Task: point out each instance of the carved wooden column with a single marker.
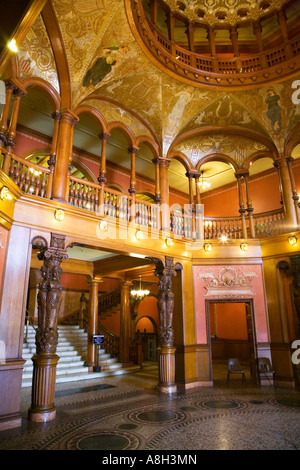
(153, 12)
(165, 304)
(294, 190)
(157, 180)
(10, 86)
(11, 134)
(285, 36)
(92, 323)
(211, 36)
(64, 146)
(45, 360)
(83, 311)
(199, 214)
(52, 159)
(258, 34)
(235, 44)
(242, 209)
(102, 171)
(287, 193)
(132, 189)
(164, 188)
(192, 211)
(125, 323)
(249, 206)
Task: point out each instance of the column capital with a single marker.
(133, 150)
(66, 115)
(164, 162)
(105, 136)
(56, 115)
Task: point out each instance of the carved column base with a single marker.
(43, 388)
(167, 369)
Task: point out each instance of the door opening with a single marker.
(231, 335)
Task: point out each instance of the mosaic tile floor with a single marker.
(127, 413)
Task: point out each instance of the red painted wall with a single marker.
(228, 320)
(207, 286)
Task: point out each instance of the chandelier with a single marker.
(204, 184)
(140, 293)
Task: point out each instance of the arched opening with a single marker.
(220, 198)
(146, 325)
(231, 335)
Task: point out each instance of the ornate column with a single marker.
(164, 188)
(52, 159)
(45, 360)
(83, 311)
(284, 31)
(165, 303)
(249, 206)
(11, 134)
(192, 211)
(242, 209)
(257, 32)
(132, 189)
(157, 180)
(153, 12)
(199, 214)
(235, 44)
(212, 43)
(295, 194)
(125, 323)
(64, 146)
(293, 268)
(10, 87)
(92, 323)
(286, 193)
(102, 171)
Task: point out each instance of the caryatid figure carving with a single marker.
(165, 299)
(49, 295)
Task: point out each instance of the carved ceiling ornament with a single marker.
(229, 282)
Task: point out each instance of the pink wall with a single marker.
(229, 282)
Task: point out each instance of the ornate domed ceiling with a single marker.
(224, 11)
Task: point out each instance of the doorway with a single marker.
(231, 329)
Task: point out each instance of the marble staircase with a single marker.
(72, 350)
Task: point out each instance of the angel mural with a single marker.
(111, 57)
(274, 110)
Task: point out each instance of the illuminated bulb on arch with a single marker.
(223, 238)
(12, 45)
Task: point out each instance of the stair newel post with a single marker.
(165, 304)
(45, 360)
(125, 323)
(91, 361)
(83, 311)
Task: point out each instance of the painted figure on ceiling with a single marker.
(104, 65)
(274, 110)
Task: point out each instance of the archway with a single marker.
(231, 331)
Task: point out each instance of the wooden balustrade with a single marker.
(109, 300)
(34, 179)
(268, 224)
(111, 341)
(222, 72)
(215, 228)
(29, 177)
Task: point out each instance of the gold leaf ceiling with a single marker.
(97, 36)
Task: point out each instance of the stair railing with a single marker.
(108, 300)
(111, 341)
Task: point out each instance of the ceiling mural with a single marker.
(35, 57)
(111, 112)
(237, 147)
(224, 11)
(105, 61)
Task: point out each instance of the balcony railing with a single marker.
(203, 69)
(35, 180)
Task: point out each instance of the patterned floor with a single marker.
(127, 413)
